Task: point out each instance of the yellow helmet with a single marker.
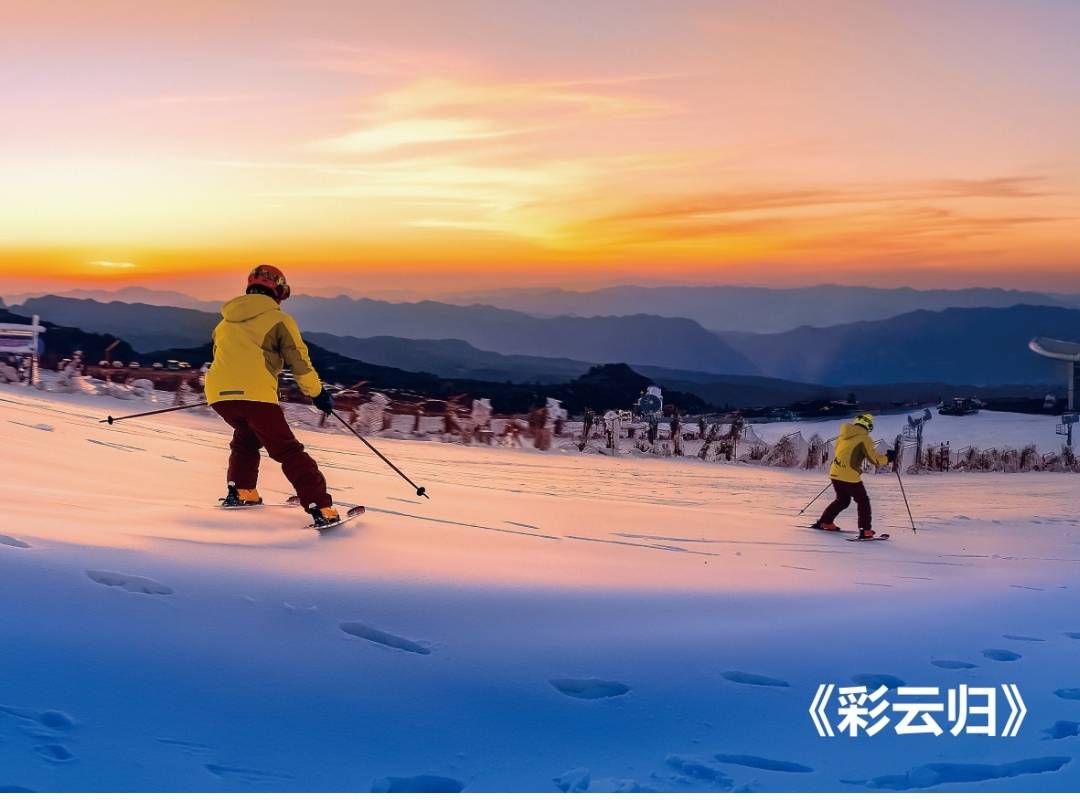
(866, 420)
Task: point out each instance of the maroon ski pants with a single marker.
(845, 493)
(258, 425)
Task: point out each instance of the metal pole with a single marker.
(420, 490)
(111, 420)
(819, 494)
(908, 507)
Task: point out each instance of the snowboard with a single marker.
(881, 537)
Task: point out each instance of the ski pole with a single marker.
(901, 482)
(420, 490)
(112, 419)
(899, 447)
(819, 494)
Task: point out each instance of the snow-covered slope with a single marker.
(543, 621)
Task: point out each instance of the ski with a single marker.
(822, 530)
(292, 502)
(353, 513)
(881, 537)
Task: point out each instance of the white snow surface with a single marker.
(545, 622)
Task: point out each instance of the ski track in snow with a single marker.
(757, 762)
(393, 641)
(751, 679)
(710, 582)
(954, 664)
(995, 654)
(1062, 729)
(247, 774)
(929, 776)
(129, 583)
(876, 679)
(589, 688)
(435, 784)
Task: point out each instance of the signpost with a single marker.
(1065, 427)
(23, 340)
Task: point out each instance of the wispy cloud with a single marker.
(113, 264)
(703, 215)
(439, 111)
(392, 135)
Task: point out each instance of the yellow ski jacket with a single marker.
(853, 447)
(253, 342)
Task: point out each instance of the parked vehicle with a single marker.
(134, 365)
(118, 364)
(157, 365)
(960, 406)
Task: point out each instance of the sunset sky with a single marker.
(432, 146)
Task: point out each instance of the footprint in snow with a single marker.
(415, 784)
(1073, 634)
(1016, 637)
(129, 583)
(949, 663)
(751, 679)
(699, 769)
(56, 720)
(589, 688)
(1062, 729)
(573, 781)
(362, 631)
(757, 762)
(11, 541)
(1068, 694)
(55, 753)
(48, 723)
(1001, 655)
(876, 679)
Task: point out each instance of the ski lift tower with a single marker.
(1069, 354)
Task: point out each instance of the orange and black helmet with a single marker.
(271, 278)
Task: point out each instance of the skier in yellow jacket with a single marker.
(253, 342)
(853, 447)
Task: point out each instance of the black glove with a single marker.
(324, 401)
(891, 455)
